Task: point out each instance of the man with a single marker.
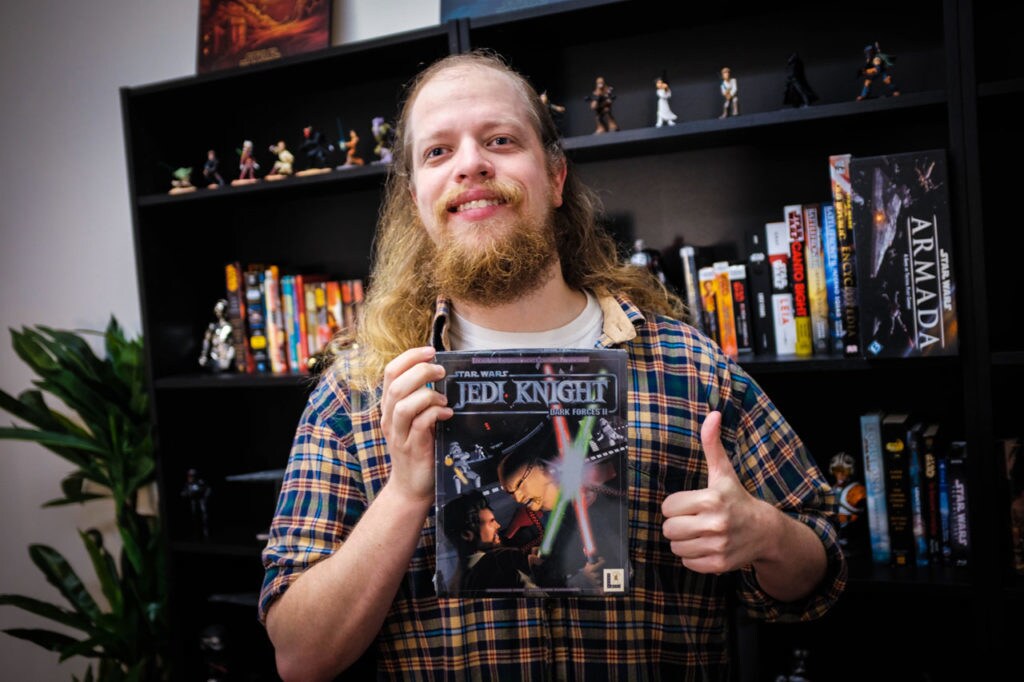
(483, 218)
(472, 529)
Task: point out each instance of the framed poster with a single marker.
(234, 33)
(459, 9)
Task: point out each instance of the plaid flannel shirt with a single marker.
(674, 622)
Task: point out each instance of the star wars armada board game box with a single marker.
(904, 254)
(531, 474)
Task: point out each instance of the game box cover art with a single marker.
(904, 252)
(236, 33)
(530, 474)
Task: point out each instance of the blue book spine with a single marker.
(833, 278)
(874, 483)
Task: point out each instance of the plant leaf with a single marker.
(46, 610)
(61, 575)
(49, 438)
(51, 641)
(106, 569)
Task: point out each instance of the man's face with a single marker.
(489, 528)
(534, 487)
(478, 169)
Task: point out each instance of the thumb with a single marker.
(719, 465)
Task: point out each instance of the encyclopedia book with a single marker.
(531, 474)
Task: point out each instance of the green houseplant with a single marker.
(110, 445)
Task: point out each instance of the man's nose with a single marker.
(472, 162)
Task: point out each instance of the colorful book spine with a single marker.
(724, 307)
(930, 454)
(741, 307)
(236, 313)
(295, 366)
(783, 318)
(874, 484)
(959, 525)
(277, 339)
(709, 307)
(898, 505)
(256, 317)
(918, 501)
(793, 215)
(833, 277)
(817, 290)
(839, 175)
(688, 258)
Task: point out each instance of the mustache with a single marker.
(507, 192)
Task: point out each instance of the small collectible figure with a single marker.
(352, 157)
(601, 104)
(382, 133)
(730, 94)
(283, 167)
(798, 91)
(852, 504)
(876, 70)
(197, 492)
(557, 111)
(213, 645)
(211, 171)
(218, 351)
(247, 165)
(181, 181)
(664, 94)
(316, 149)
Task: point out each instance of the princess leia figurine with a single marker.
(664, 93)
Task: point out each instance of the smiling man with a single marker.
(487, 239)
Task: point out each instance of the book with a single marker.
(945, 508)
(256, 317)
(726, 312)
(295, 363)
(917, 495)
(539, 443)
(759, 276)
(741, 307)
(898, 505)
(933, 522)
(236, 314)
(691, 291)
(839, 180)
(874, 485)
(959, 525)
(277, 339)
(817, 293)
(904, 245)
(708, 302)
(833, 277)
(783, 315)
(793, 215)
(1010, 455)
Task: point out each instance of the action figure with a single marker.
(211, 171)
(852, 503)
(218, 352)
(247, 165)
(212, 644)
(351, 147)
(316, 149)
(557, 111)
(382, 132)
(181, 181)
(601, 104)
(458, 459)
(197, 492)
(730, 94)
(665, 115)
(876, 69)
(283, 167)
(798, 91)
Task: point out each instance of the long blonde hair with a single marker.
(401, 293)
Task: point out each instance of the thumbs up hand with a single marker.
(722, 527)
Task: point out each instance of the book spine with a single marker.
(933, 510)
(917, 494)
(277, 341)
(301, 342)
(794, 219)
(833, 278)
(236, 313)
(899, 513)
(726, 314)
(335, 307)
(709, 308)
(959, 528)
(942, 462)
(256, 317)
(291, 332)
(874, 484)
(741, 307)
(839, 173)
(817, 290)
(688, 257)
(1010, 453)
(783, 319)
(760, 279)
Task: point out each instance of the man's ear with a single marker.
(558, 182)
(468, 535)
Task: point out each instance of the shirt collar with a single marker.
(621, 318)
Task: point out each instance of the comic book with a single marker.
(904, 253)
(531, 474)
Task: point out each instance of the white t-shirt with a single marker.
(582, 332)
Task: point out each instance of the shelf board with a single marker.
(214, 547)
(1008, 359)
(880, 579)
(1010, 86)
(234, 380)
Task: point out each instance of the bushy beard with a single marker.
(500, 262)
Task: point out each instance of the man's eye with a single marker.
(502, 140)
(436, 151)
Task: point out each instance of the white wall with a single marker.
(66, 253)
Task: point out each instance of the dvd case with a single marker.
(530, 474)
